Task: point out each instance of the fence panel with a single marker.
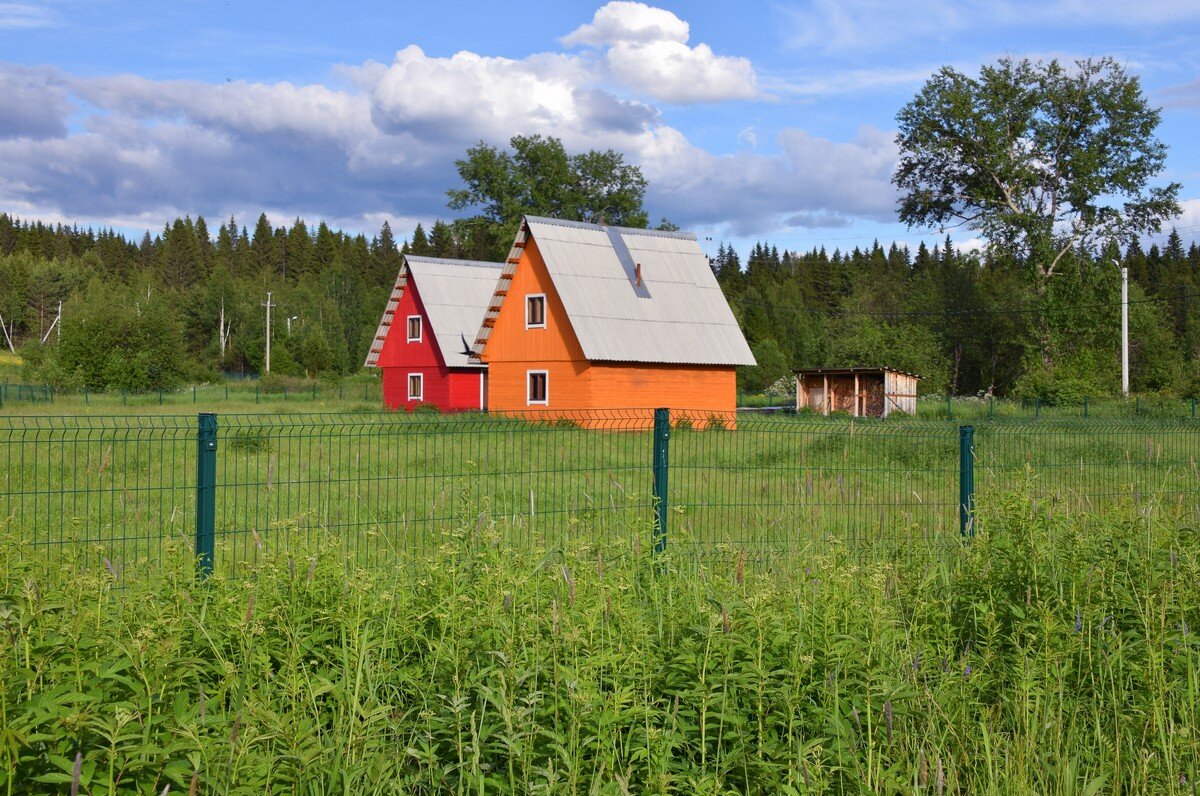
(1088, 465)
(779, 481)
(112, 488)
(386, 484)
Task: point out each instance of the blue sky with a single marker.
(752, 121)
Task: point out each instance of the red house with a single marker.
(421, 344)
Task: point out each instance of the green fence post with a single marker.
(124, 397)
(1137, 407)
(255, 393)
(160, 396)
(365, 392)
(226, 392)
(314, 391)
(966, 480)
(1037, 407)
(949, 408)
(206, 491)
(193, 393)
(662, 434)
(1085, 406)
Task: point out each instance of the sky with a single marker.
(751, 121)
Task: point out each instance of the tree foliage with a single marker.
(1039, 158)
(539, 177)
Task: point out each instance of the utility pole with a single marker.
(1124, 328)
(7, 336)
(268, 305)
(54, 326)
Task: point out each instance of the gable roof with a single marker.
(678, 315)
(454, 294)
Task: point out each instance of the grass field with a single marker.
(1051, 656)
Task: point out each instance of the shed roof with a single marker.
(854, 369)
(678, 315)
(454, 293)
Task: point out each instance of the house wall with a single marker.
(449, 390)
(575, 384)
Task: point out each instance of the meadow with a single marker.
(1049, 655)
(434, 604)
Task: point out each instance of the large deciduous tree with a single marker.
(539, 177)
(1039, 158)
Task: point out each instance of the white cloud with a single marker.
(622, 21)
(647, 51)
(23, 15)
(845, 26)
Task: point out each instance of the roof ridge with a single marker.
(421, 258)
(657, 233)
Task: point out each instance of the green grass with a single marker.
(357, 394)
(1056, 654)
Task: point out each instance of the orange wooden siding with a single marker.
(512, 350)
(575, 384)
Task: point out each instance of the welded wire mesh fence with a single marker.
(381, 485)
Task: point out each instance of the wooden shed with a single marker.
(859, 391)
(589, 318)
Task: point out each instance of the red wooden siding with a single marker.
(448, 389)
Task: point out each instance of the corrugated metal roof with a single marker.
(855, 369)
(455, 295)
(681, 316)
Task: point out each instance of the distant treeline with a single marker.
(186, 304)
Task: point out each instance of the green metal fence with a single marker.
(302, 394)
(237, 487)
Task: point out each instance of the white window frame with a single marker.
(528, 297)
(421, 381)
(528, 392)
(420, 328)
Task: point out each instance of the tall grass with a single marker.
(1049, 656)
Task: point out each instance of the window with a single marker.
(535, 311)
(414, 328)
(538, 387)
(416, 387)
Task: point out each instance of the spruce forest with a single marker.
(186, 306)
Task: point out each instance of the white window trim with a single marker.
(541, 325)
(528, 399)
(420, 328)
(408, 387)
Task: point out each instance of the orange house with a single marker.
(587, 318)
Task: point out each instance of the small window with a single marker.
(539, 387)
(535, 311)
(416, 387)
(414, 328)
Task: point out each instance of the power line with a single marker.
(1010, 310)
